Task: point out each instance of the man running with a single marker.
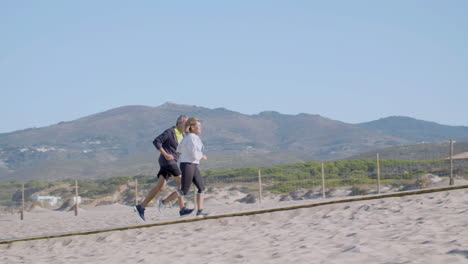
(166, 144)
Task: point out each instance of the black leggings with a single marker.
(190, 173)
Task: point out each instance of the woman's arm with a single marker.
(195, 148)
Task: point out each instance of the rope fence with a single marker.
(363, 198)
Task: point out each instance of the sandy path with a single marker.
(428, 228)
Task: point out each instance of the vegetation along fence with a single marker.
(300, 181)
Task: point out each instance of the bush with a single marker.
(62, 192)
(359, 190)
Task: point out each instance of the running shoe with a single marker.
(141, 211)
(185, 211)
(200, 213)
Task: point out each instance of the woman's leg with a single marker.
(200, 183)
(186, 181)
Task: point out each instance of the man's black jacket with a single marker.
(168, 141)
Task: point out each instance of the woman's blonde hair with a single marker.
(192, 121)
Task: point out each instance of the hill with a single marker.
(425, 151)
(417, 131)
(119, 142)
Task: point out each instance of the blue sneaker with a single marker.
(141, 211)
(185, 211)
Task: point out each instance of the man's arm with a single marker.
(157, 142)
(166, 155)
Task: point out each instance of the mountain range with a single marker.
(119, 141)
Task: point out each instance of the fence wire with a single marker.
(302, 181)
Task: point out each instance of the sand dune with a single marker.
(428, 228)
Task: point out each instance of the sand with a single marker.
(426, 228)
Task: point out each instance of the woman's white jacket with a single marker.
(191, 149)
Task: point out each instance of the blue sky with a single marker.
(352, 61)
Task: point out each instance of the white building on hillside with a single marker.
(46, 200)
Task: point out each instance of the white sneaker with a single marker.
(161, 207)
(202, 214)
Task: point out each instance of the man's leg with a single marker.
(162, 174)
(160, 186)
(178, 179)
(186, 181)
(172, 197)
(177, 194)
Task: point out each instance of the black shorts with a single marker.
(169, 170)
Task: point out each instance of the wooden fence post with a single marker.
(22, 201)
(260, 186)
(323, 182)
(136, 192)
(378, 173)
(451, 163)
(76, 198)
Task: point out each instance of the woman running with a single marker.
(191, 149)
